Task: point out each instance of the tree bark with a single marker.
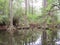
(44, 33)
(32, 7)
(44, 37)
(29, 6)
(25, 7)
(11, 23)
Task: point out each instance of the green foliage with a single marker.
(4, 19)
(19, 12)
(32, 17)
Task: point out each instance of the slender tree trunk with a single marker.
(32, 7)
(25, 16)
(44, 33)
(44, 3)
(29, 6)
(11, 23)
(25, 7)
(44, 37)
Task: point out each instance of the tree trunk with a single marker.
(25, 7)
(44, 37)
(44, 3)
(11, 23)
(44, 33)
(32, 7)
(29, 6)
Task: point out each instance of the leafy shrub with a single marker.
(4, 19)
